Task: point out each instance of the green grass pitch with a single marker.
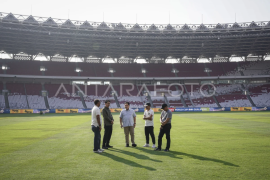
(217, 145)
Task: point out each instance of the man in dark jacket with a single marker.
(108, 123)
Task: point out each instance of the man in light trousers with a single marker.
(128, 121)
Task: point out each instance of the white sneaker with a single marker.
(98, 151)
(101, 150)
(146, 145)
(154, 146)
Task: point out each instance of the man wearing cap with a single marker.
(128, 121)
(165, 128)
(149, 125)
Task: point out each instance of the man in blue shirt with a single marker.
(165, 128)
(128, 121)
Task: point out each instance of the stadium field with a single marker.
(217, 145)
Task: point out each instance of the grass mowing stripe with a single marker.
(8, 119)
(248, 116)
(241, 122)
(18, 135)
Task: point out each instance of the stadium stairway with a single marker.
(81, 94)
(244, 88)
(4, 96)
(46, 102)
(214, 97)
(115, 95)
(166, 100)
(147, 95)
(45, 97)
(181, 96)
(6, 100)
(26, 96)
(188, 95)
(248, 96)
(116, 100)
(82, 99)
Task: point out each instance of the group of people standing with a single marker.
(128, 122)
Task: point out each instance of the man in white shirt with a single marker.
(149, 125)
(96, 126)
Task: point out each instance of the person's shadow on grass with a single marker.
(126, 161)
(133, 154)
(174, 154)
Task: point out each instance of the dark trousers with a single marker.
(165, 130)
(149, 130)
(97, 138)
(107, 135)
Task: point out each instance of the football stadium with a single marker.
(213, 78)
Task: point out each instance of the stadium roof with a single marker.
(32, 35)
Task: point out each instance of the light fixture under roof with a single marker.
(78, 69)
(5, 67)
(111, 70)
(174, 70)
(207, 70)
(42, 68)
(144, 71)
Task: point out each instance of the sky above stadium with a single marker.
(146, 11)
